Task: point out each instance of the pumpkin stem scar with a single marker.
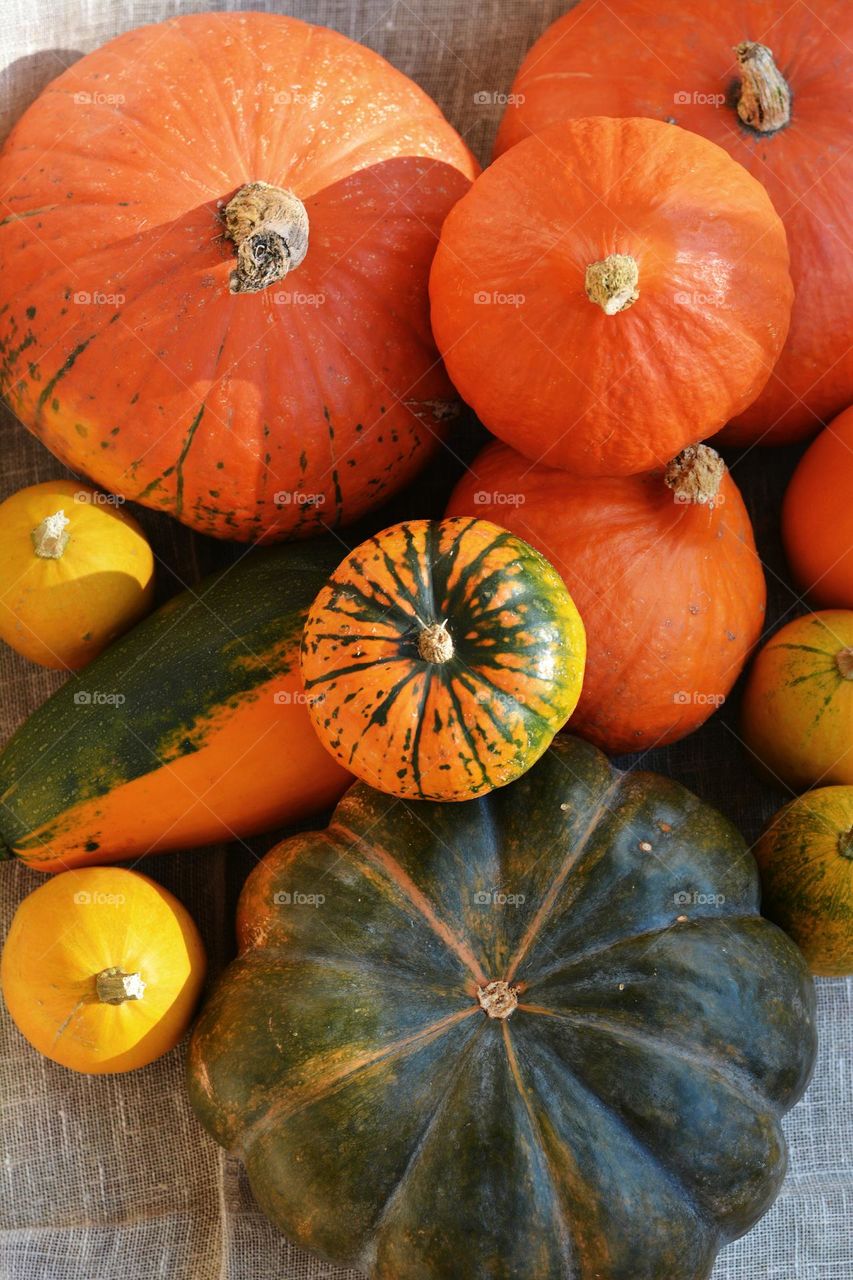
(498, 999)
(695, 475)
(114, 986)
(764, 101)
(269, 226)
(845, 844)
(435, 643)
(612, 282)
(49, 537)
(844, 662)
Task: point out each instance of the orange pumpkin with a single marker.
(101, 969)
(781, 108)
(798, 702)
(665, 575)
(214, 285)
(806, 861)
(609, 292)
(75, 572)
(441, 659)
(817, 517)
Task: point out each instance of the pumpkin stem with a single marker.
(49, 537)
(844, 662)
(114, 986)
(269, 226)
(612, 282)
(435, 643)
(696, 474)
(845, 844)
(498, 999)
(764, 102)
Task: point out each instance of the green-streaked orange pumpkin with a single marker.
(542, 1035)
(770, 82)
(441, 659)
(806, 861)
(216, 235)
(797, 712)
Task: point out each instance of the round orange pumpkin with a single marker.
(101, 969)
(214, 287)
(441, 659)
(663, 570)
(75, 572)
(772, 84)
(817, 517)
(609, 292)
(806, 861)
(798, 702)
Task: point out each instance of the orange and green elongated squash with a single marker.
(771, 83)
(441, 658)
(806, 861)
(216, 235)
(542, 1034)
(189, 729)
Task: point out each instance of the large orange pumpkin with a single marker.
(773, 84)
(216, 234)
(609, 292)
(817, 517)
(663, 570)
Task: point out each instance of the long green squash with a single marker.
(189, 729)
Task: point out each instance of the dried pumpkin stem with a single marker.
(114, 986)
(696, 474)
(49, 537)
(845, 844)
(498, 999)
(435, 643)
(612, 282)
(764, 101)
(844, 662)
(269, 226)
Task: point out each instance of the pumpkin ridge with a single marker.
(395, 874)
(447, 679)
(322, 1087)
(573, 855)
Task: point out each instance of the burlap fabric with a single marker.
(111, 1178)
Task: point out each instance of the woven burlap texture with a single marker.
(111, 1178)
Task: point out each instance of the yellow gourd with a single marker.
(75, 572)
(101, 969)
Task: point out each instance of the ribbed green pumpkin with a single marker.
(540, 1034)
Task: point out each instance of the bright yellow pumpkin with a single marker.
(75, 572)
(101, 969)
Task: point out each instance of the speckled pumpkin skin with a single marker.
(621, 1124)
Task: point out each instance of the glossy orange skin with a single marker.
(121, 346)
(545, 368)
(457, 728)
(672, 595)
(817, 517)
(676, 62)
(797, 712)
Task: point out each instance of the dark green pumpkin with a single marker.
(621, 1122)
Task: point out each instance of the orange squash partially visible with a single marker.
(770, 82)
(214, 289)
(817, 517)
(609, 292)
(75, 572)
(101, 969)
(806, 861)
(797, 711)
